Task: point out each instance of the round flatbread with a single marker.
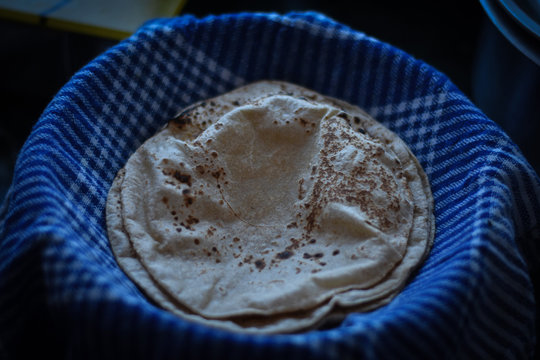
(269, 208)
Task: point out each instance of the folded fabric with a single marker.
(63, 294)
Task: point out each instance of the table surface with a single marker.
(105, 18)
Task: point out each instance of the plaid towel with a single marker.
(62, 293)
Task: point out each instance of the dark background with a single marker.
(36, 61)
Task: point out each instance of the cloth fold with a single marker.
(62, 293)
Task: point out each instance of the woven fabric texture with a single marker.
(63, 294)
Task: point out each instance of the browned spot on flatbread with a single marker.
(183, 178)
(188, 200)
(200, 169)
(284, 255)
(182, 120)
(260, 264)
(292, 225)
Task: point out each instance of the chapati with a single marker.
(269, 209)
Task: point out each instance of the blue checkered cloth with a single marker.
(63, 294)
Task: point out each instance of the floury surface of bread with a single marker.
(270, 209)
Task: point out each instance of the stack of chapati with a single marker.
(269, 209)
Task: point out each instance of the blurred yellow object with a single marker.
(116, 19)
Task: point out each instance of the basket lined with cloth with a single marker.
(62, 291)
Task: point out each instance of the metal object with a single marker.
(519, 22)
